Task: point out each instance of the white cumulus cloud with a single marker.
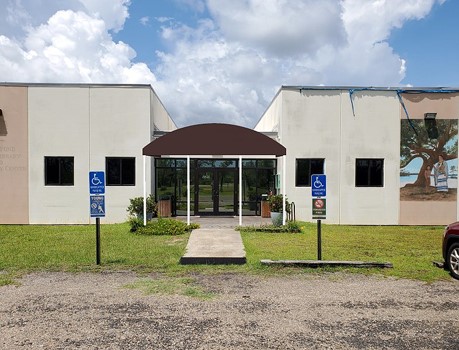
(71, 46)
(228, 67)
(223, 66)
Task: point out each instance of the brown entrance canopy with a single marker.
(214, 139)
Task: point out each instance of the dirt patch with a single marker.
(416, 193)
(335, 311)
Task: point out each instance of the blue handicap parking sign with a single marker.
(97, 206)
(96, 182)
(319, 185)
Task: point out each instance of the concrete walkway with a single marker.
(214, 246)
(216, 242)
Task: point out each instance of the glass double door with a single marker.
(216, 192)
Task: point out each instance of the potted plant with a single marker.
(275, 206)
(135, 207)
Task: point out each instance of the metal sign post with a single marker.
(319, 206)
(97, 203)
(98, 241)
(319, 240)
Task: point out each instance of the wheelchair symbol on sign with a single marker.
(96, 181)
(317, 183)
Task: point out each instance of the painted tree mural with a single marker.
(420, 145)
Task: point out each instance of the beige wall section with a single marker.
(374, 132)
(14, 203)
(120, 127)
(59, 126)
(427, 213)
(445, 105)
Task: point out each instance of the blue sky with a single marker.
(223, 61)
(431, 47)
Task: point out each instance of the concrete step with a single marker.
(214, 246)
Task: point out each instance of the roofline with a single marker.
(352, 89)
(92, 86)
(76, 85)
(269, 106)
(370, 88)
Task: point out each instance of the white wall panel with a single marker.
(120, 127)
(58, 126)
(373, 132)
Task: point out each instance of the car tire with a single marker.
(452, 260)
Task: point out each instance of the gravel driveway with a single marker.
(334, 311)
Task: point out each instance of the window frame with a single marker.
(120, 166)
(308, 178)
(369, 172)
(61, 169)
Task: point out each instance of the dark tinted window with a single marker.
(59, 171)
(369, 172)
(120, 171)
(307, 167)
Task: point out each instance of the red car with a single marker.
(451, 249)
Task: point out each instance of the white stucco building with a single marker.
(350, 131)
(379, 148)
(56, 134)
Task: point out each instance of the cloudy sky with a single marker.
(224, 60)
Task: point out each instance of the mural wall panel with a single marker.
(14, 203)
(428, 160)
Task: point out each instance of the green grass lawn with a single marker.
(72, 248)
(411, 249)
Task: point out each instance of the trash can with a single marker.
(165, 206)
(265, 212)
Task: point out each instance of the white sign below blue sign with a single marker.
(96, 182)
(97, 205)
(319, 185)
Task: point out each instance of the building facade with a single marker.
(55, 134)
(377, 147)
(390, 155)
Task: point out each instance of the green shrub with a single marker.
(164, 226)
(293, 226)
(135, 223)
(135, 207)
(290, 227)
(192, 226)
(275, 203)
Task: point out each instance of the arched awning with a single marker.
(214, 139)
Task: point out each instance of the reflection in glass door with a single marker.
(216, 192)
(205, 195)
(226, 191)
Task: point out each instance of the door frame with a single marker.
(216, 175)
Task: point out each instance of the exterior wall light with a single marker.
(431, 125)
